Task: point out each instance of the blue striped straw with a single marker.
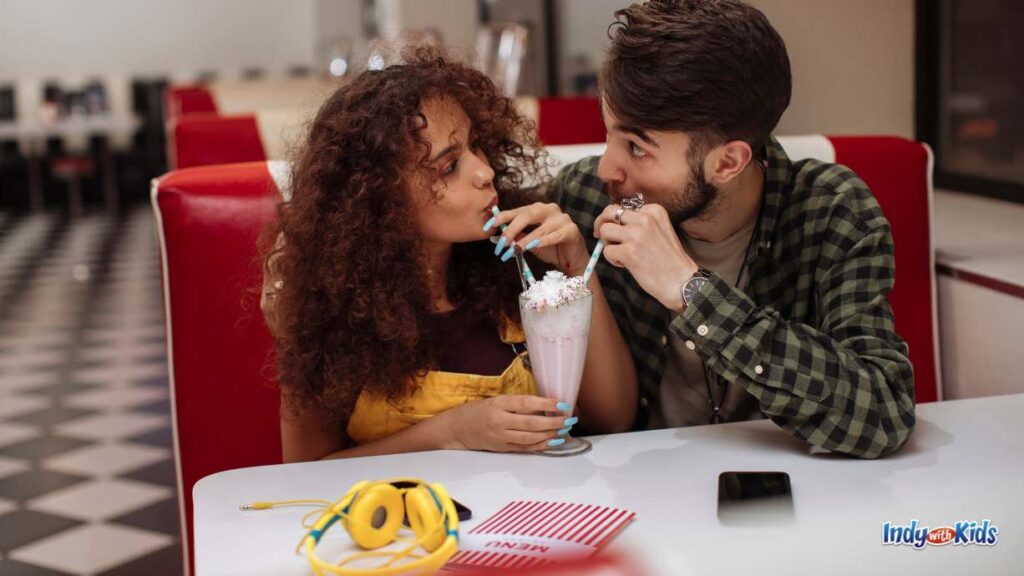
(524, 267)
(593, 261)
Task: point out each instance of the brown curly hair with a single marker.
(354, 312)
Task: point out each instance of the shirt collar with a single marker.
(776, 186)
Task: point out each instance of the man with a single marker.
(748, 285)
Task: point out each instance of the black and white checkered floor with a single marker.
(87, 483)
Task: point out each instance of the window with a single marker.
(970, 92)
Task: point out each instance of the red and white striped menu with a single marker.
(527, 534)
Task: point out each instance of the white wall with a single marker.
(72, 40)
(58, 38)
(339, 18)
(852, 60)
(455, 19)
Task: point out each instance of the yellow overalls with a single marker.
(375, 416)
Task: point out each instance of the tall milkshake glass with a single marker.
(556, 337)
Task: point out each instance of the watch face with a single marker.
(692, 287)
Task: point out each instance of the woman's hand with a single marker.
(544, 230)
(506, 424)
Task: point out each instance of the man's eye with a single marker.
(636, 151)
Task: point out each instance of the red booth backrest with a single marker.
(898, 171)
(225, 404)
(569, 121)
(181, 100)
(203, 137)
(210, 139)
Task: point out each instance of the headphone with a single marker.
(373, 513)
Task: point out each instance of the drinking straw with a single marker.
(634, 204)
(593, 261)
(524, 267)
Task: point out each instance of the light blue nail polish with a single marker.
(508, 254)
(489, 224)
(556, 442)
(562, 406)
(500, 247)
(570, 421)
(533, 244)
(563, 431)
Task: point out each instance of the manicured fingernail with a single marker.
(508, 253)
(489, 224)
(500, 247)
(556, 442)
(562, 406)
(570, 421)
(533, 244)
(495, 210)
(564, 431)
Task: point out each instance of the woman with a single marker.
(396, 325)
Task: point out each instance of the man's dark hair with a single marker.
(713, 68)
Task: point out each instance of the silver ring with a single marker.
(618, 215)
(635, 203)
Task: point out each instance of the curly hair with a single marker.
(354, 312)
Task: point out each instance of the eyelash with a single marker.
(451, 168)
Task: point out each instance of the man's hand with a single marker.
(645, 243)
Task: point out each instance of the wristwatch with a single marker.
(692, 286)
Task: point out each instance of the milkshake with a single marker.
(556, 315)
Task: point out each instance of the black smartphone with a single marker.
(754, 498)
(464, 512)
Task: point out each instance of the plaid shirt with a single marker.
(811, 337)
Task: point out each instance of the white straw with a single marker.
(593, 261)
(527, 273)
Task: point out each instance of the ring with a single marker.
(635, 203)
(618, 215)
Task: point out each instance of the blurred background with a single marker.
(99, 98)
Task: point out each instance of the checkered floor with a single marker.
(87, 481)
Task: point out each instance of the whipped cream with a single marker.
(555, 290)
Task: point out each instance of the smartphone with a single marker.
(464, 512)
(754, 498)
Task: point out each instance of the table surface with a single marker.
(85, 125)
(963, 462)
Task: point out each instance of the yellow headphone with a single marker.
(373, 512)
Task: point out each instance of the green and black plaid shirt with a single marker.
(812, 335)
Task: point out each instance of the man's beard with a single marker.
(695, 201)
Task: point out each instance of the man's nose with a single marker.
(609, 171)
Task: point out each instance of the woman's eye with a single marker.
(636, 151)
(450, 169)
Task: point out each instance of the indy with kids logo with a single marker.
(963, 533)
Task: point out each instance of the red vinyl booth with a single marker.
(225, 405)
(200, 136)
(209, 139)
(182, 100)
(225, 408)
(569, 121)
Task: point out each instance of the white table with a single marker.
(34, 133)
(75, 126)
(965, 461)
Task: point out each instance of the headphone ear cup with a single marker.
(425, 517)
(375, 516)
